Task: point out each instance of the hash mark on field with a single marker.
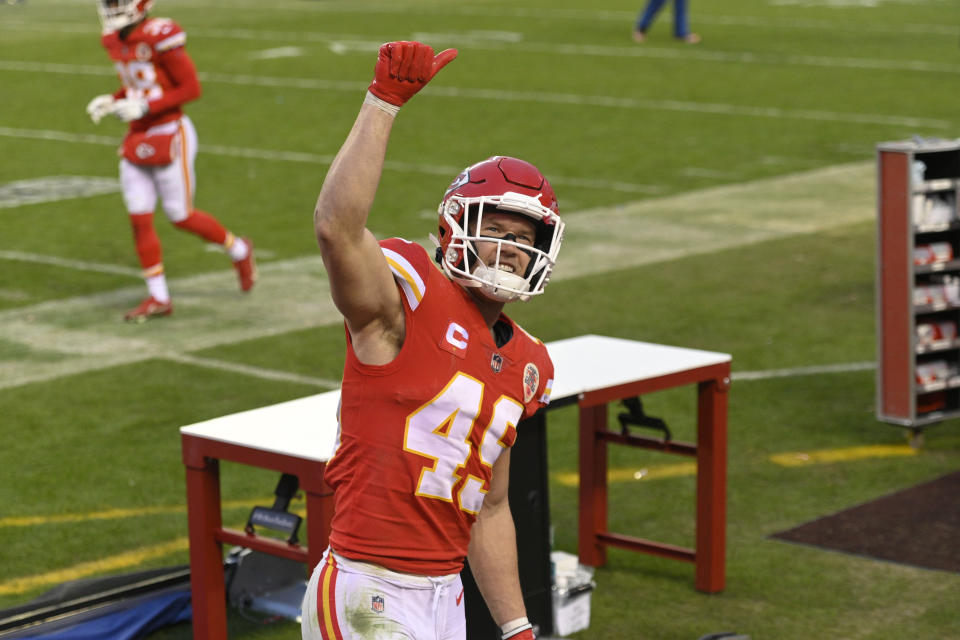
(278, 52)
(85, 333)
(53, 188)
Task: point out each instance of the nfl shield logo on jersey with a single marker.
(496, 363)
(376, 604)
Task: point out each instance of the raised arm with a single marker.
(361, 283)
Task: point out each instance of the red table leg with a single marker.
(206, 556)
(711, 484)
(319, 514)
(593, 485)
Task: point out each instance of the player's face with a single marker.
(497, 224)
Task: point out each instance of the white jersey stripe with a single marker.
(176, 40)
(547, 390)
(410, 281)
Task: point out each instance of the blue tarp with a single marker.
(129, 624)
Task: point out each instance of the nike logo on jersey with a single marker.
(460, 597)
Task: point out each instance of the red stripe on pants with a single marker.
(327, 601)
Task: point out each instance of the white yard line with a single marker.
(536, 97)
(313, 158)
(255, 372)
(342, 43)
(84, 333)
(79, 265)
(444, 7)
(792, 372)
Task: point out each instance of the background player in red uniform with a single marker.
(435, 383)
(159, 150)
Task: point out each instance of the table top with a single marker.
(590, 363)
(307, 427)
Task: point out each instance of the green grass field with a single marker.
(718, 196)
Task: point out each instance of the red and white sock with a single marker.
(150, 255)
(157, 286)
(207, 227)
(236, 247)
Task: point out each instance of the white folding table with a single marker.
(297, 438)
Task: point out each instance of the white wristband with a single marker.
(512, 628)
(383, 105)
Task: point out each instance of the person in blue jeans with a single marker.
(681, 30)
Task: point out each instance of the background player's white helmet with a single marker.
(117, 14)
(506, 185)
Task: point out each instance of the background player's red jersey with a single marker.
(419, 436)
(152, 64)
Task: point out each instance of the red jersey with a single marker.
(419, 436)
(153, 64)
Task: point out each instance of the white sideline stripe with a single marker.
(314, 158)
(531, 96)
(79, 265)
(803, 371)
(255, 372)
(84, 333)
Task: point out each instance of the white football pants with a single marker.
(174, 183)
(349, 600)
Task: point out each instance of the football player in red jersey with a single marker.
(158, 152)
(436, 381)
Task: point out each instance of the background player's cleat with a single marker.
(149, 308)
(246, 268)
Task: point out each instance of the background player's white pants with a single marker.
(174, 183)
(348, 600)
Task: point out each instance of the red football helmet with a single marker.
(117, 14)
(506, 185)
